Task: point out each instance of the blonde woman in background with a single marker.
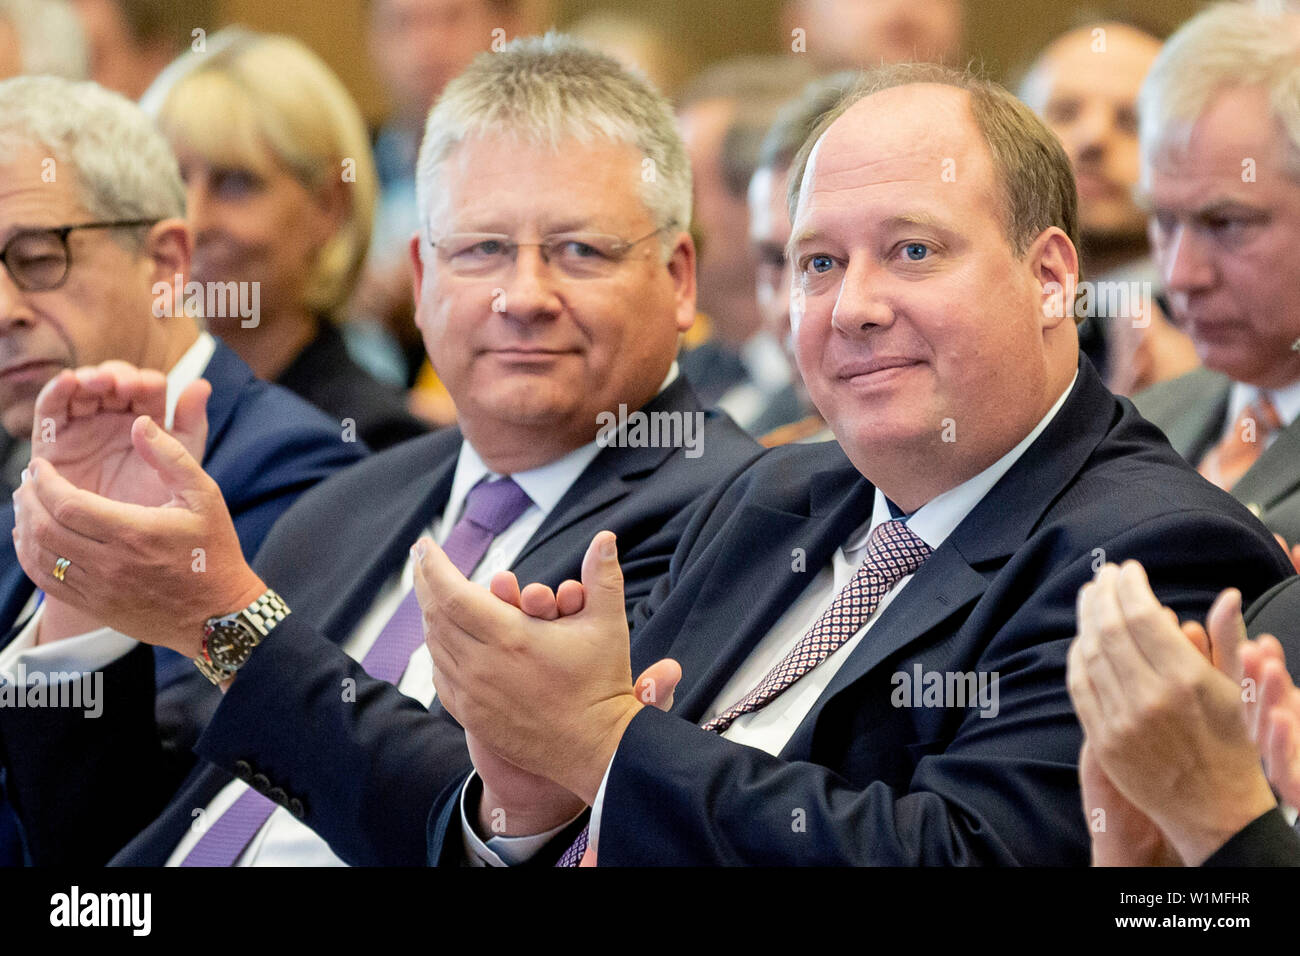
(280, 193)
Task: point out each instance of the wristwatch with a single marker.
(229, 640)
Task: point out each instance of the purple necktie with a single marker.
(893, 552)
(490, 508)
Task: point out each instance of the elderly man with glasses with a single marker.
(545, 173)
(91, 221)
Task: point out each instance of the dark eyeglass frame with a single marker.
(62, 232)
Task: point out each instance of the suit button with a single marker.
(296, 808)
(260, 782)
(277, 795)
(243, 770)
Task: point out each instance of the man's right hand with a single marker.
(515, 802)
(154, 573)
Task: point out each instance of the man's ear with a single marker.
(1055, 265)
(681, 266)
(168, 248)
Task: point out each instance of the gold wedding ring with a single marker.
(61, 568)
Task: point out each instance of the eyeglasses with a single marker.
(38, 259)
(578, 255)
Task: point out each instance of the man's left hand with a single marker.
(551, 697)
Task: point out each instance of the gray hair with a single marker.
(50, 37)
(120, 163)
(545, 90)
(1224, 47)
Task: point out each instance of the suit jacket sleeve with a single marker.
(367, 762)
(1266, 841)
(1001, 790)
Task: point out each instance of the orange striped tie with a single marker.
(1240, 448)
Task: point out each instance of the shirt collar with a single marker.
(1285, 400)
(939, 517)
(188, 368)
(545, 485)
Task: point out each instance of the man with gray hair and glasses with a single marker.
(1220, 141)
(554, 273)
(91, 222)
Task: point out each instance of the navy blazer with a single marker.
(357, 761)
(862, 781)
(265, 447)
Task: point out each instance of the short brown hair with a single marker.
(1029, 163)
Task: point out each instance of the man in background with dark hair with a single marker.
(132, 40)
(724, 114)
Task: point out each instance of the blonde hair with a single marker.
(251, 95)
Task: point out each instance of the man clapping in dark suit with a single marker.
(554, 272)
(91, 223)
(873, 640)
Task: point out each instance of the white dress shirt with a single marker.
(95, 650)
(772, 726)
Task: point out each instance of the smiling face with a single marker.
(919, 319)
(1224, 229)
(102, 310)
(531, 356)
(253, 224)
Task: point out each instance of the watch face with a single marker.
(229, 645)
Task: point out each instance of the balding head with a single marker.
(920, 316)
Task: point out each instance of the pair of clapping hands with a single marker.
(1185, 726)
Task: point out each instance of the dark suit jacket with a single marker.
(265, 447)
(328, 377)
(1193, 409)
(863, 781)
(363, 773)
(1267, 841)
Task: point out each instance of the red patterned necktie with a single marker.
(893, 552)
(1231, 458)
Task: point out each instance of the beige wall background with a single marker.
(1002, 35)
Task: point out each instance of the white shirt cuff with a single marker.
(81, 654)
(593, 829)
(501, 850)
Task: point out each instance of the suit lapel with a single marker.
(376, 556)
(227, 374)
(784, 545)
(612, 473)
(1274, 475)
(957, 574)
(1200, 431)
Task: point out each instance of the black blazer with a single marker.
(865, 782)
(364, 774)
(326, 375)
(265, 447)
